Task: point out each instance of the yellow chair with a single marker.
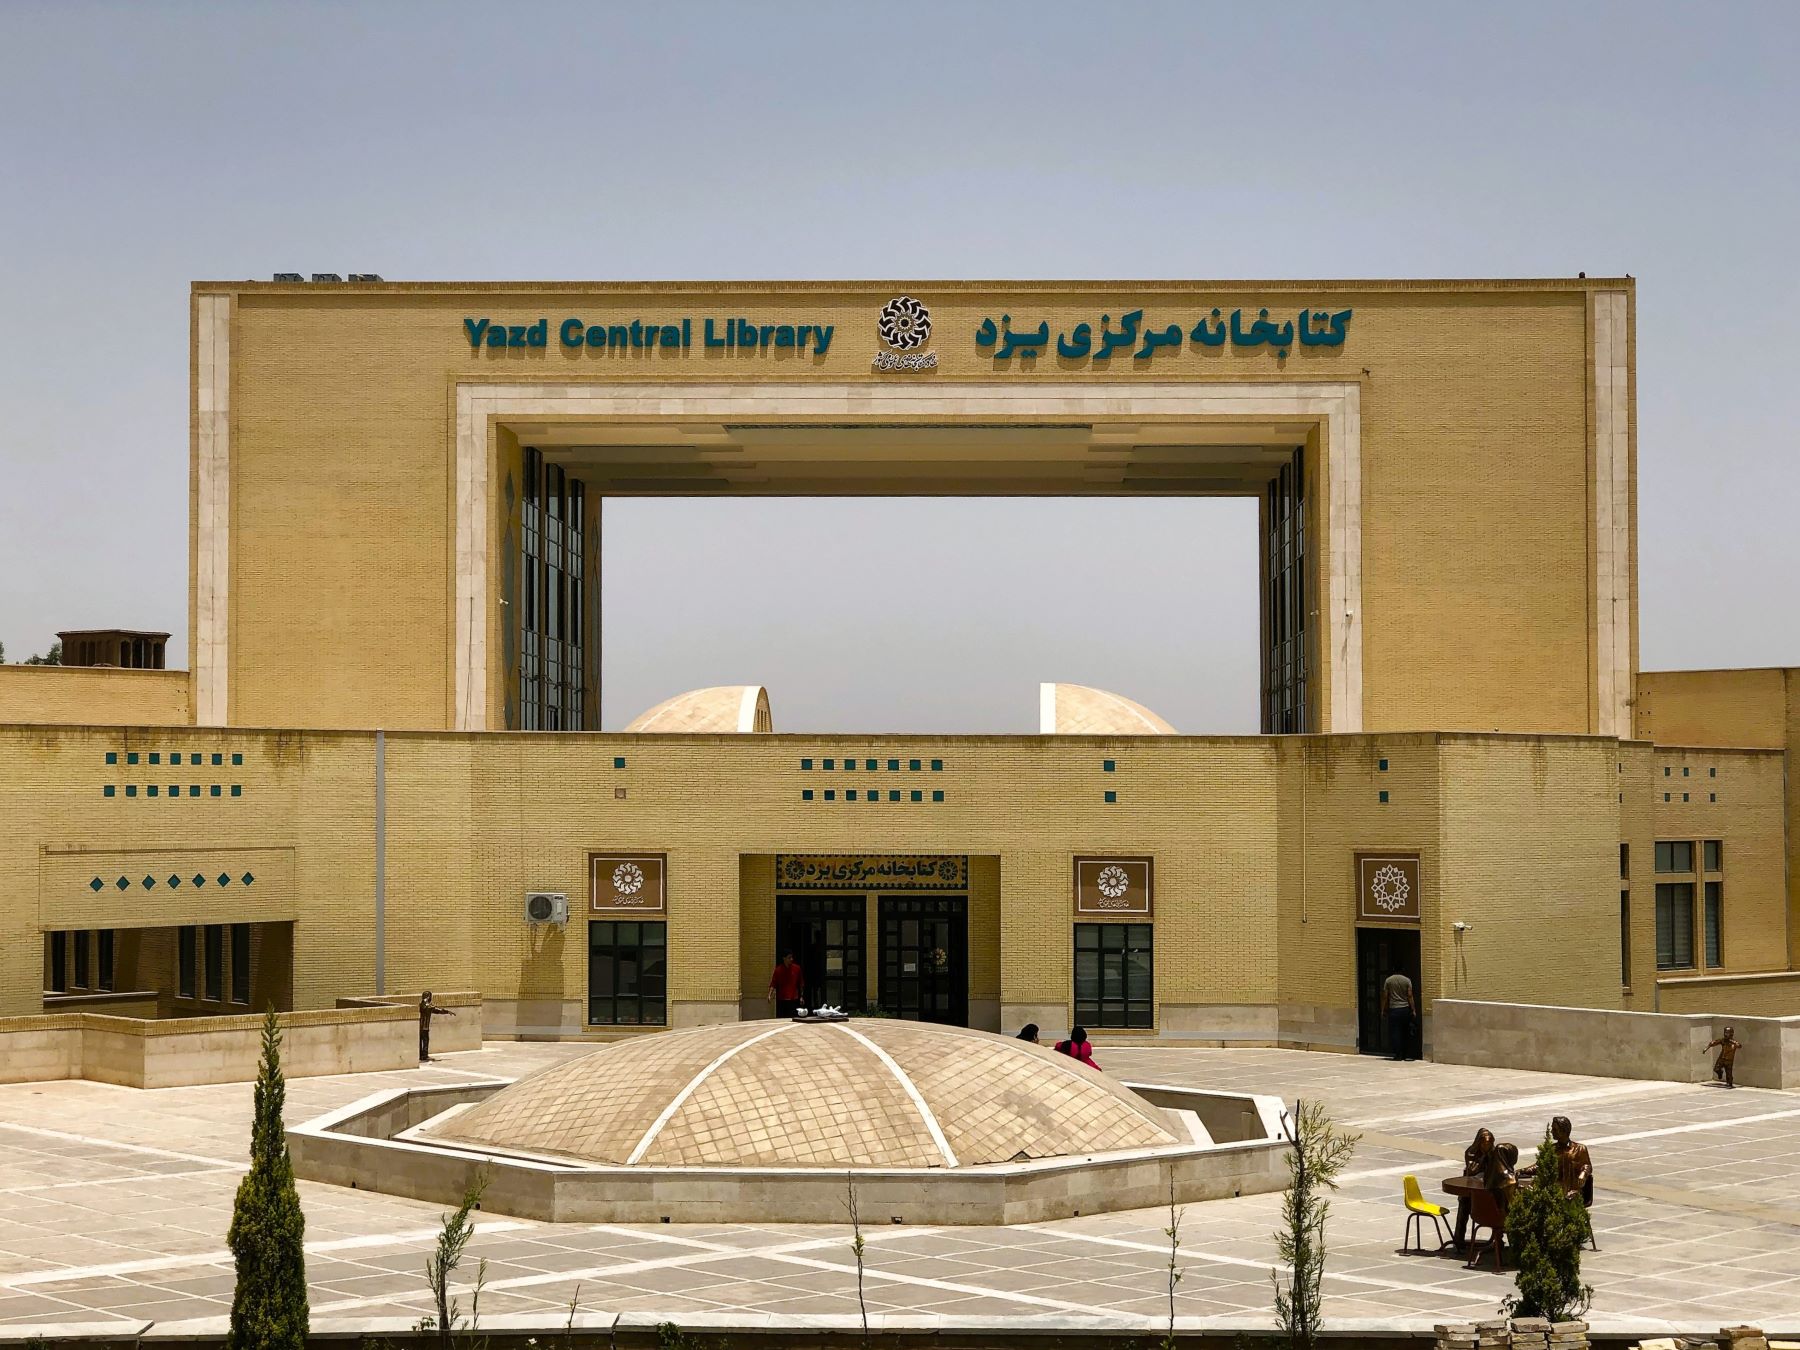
(1418, 1209)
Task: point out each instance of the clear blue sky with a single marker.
(150, 144)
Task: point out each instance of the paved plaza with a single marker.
(114, 1205)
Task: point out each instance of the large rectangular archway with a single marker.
(1272, 441)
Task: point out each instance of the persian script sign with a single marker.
(627, 883)
(1114, 886)
(903, 872)
(1387, 886)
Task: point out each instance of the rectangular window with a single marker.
(240, 963)
(184, 963)
(1114, 975)
(1674, 855)
(106, 959)
(59, 963)
(1284, 601)
(1625, 938)
(552, 603)
(1624, 861)
(1675, 925)
(1715, 923)
(1712, 854)
(215, 962)
(82, 963)
(627, 973)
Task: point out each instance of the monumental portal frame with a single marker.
(1075, 439)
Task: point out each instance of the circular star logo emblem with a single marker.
(1112, 882)
(905, 324)
(628, 878)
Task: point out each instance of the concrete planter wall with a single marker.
(182, 1052)
(1609, 1044)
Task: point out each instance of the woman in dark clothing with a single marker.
(1029, 1032)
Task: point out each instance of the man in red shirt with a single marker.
(786, 986)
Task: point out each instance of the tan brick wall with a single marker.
(1714, 707)
(1746, 818)
(1530, 860)
(1475, 453)
(94, 696)
(1253, 840)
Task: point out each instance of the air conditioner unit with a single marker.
(546, 907)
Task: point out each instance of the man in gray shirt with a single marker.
(1397, 1002)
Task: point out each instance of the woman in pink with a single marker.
(1077, 1047)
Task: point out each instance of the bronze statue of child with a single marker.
(1727, 1048)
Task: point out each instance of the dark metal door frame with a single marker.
(825, 933)
(1379, 953)
(924, 954)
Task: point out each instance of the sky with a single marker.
(148, 145)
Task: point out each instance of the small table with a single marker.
(1460, 1186)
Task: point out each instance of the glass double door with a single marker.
(825, 934)
(925, 958)
(922, 953)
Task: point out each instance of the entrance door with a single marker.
(925, 958)
(825, 934)
(1379, 953)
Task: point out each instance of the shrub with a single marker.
(268, 1231)
(1546, 1228)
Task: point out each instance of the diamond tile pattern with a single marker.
(1028, 1100)
(809, 1096)
(813, 1096)
(597, 1106)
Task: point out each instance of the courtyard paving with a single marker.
(114, 1205)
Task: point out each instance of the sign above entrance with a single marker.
(670, 334)
(1387, 887)
(866, 872)
(1140, 341)
(1109, 887)
(627, 883)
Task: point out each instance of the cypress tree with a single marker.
(1547, 1227)
(268, 1308)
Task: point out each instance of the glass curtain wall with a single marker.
(553, 628)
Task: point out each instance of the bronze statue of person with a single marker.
(1574, 1168)
(1475, 1160)
(427, 1011)
(1500, 1173)
(1727, 1048)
